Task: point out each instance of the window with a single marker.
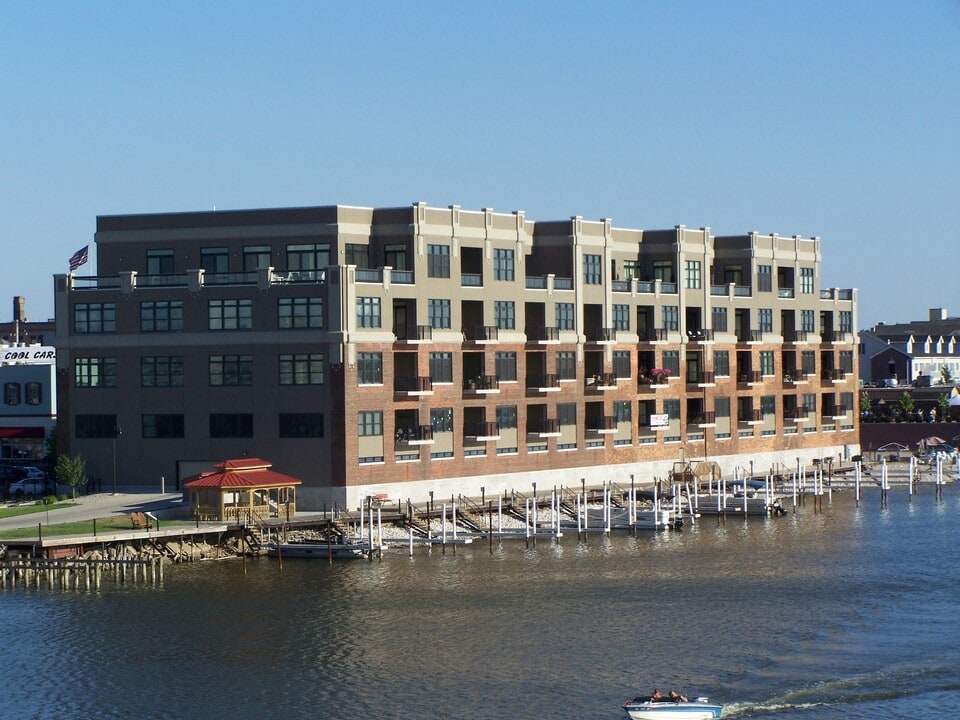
(565, 317)
(159, 262)
(94, 318)
(95, 426)
(231, 370)
(301, 369)
(592, 273)
(808, 321)
(301, 425)
(506, 417)
(231, 425)
(721, 407)
(355, 254)
(671, 317)
(846, 361)
(808, 362)
(671, 408)
(438, 261)
(621, 411)
(766, 362)
(161, 426)
(369, 423)
(566, 414)
(621, 363)
(33, 392)
(719, 315)
(621, 317)
(503, 313)
(721, 363)
(441, 367)
(631, 269)
(846, 321)
(215, 260)
(765, 320)
(764, 278)
(441, 420)
(671, 361)
(438, 312)
(768, 405)
(11, 393)
(663, 270)
(694, 280)
(300, 312)
(161, 316)
(806, 280)
(256, 257)
(503, 264)
(810, 403)
(229, 314)
(315, 256)
(566, 365)
(506, 366)
(368, 312)
(159, 371)
(370, 368)
(94, 372)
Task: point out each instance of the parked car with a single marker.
(29, 487)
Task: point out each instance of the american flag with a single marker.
(79, 258)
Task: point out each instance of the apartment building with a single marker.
(422, 352)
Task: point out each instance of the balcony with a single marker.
(543, 383)
(751, 417)
(796, 377)
(750, 378)
(797, 415)
(833, 375)
(482, 335)
(653, 336)
(544, 335)
(750, 337)
(412, 436)
(836, 413)
(704, 420)
(703, 378)
(482, 432)
(796, 337)
(413, 386)
(544, 429)
(703, 336)
(836, 337)
(602, 336)
(602, 382)
(416, 335)
(603, 425)
(481, 385)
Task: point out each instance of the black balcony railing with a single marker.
(481, 383)
(542, 382)
(750, 416)
(414, 434)
(543, 334)
(412, 384)
(653, 335)
(484, 430)
(481, 333)
(750, 377)
(603, 335)
(700, 335)
(702, 377)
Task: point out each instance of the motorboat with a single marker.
(645, 708)
(319, 549)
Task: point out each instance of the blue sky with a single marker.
(831, 119)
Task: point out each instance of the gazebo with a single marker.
(242, 490)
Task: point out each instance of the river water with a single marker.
(852, 612)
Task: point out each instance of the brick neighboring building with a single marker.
(418, 350)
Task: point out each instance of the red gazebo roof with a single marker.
(241, 473)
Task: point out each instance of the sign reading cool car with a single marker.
(33, 354)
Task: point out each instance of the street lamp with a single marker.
(117, 432)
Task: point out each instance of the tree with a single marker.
(72, 471)
(906, 403)
(864, 401)
(945, 375)
(943, 407)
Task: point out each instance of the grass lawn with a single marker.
(32, 508)
(109, 524)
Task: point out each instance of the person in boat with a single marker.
(656, 695)
(677, 697)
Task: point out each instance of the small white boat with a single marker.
(643, 708)
(318, 549)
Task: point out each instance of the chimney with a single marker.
(19, 308)
(938, 314)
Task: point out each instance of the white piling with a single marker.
(443, 523)
(453, 518)
(411, 540)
